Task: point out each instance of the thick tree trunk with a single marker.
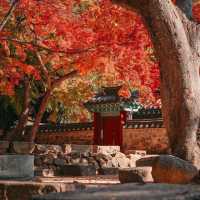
(18, 131)
(39, 115)
(174, 36)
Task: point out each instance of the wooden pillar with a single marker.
(97, 129)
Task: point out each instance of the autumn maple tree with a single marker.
(50, 41)
(44, 43)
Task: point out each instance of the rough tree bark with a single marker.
(177, 47)
(39, 115)
(44, 102)
(16, 134)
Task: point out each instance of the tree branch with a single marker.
(8, 15)
(68, 51)
(58, 81)
(44, 69)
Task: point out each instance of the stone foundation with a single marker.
(152, 140)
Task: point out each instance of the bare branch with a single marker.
(8, 15)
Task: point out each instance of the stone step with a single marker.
(131, 192)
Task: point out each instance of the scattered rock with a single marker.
(115, 162)
(55, 148)
(102, 162)
(133, 158)
(48, 159)
(95, 164)
(137, 152)
(120, 155)
(100, 157)
(44, 172)
(170, 169)
(120, 160)
(135, 175)
(75, 155)
(67, 148)
(84, 161)
(107, 149)
(38, 161)
(75, 160)
(40, 149)
(60, 162)
(123, 162)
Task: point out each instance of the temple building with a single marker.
(110, 114)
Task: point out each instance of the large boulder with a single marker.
(147, 161)
(170, 169)
(135, 175)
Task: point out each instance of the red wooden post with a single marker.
(97, 128)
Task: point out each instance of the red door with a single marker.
(112, 130)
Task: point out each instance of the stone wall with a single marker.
(153, 140)
(67, 137)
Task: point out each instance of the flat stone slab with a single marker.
(89, 180)
(131, 192)
(68, 148)
(16, 166)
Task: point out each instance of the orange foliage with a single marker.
(77, 34)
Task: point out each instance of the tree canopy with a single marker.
(43, 43)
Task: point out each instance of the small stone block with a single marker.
(108, 171)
